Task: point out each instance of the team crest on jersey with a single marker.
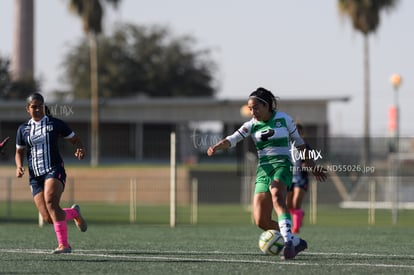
(244, 129)
(49, 128)
(278, 124)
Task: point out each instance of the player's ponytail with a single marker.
(48, 112)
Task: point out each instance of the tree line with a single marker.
(133, 60)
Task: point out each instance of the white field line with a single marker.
(107, 254)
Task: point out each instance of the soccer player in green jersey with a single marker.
(273, 133)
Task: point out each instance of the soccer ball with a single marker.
(271, 242)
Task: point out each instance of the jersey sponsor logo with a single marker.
(266, 134)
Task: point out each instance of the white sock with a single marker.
(286, 232)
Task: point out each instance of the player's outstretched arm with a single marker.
(221, 145)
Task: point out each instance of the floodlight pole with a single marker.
(396, 82)
(173, 180)
(94, 101)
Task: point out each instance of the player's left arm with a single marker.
(318, 171)
(67, 133)
(80, 149)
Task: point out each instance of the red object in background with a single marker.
(392, 119)
(3, 144)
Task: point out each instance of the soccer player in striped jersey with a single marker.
(299, 187)
(273, 133)
(38, 140)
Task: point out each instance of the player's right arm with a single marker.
(20, 152)
(232, 140)
(19, 157)
(221, 145)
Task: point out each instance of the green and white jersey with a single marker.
(273, 138)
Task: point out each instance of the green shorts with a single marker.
(267, 173)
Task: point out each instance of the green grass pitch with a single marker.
(340, 243)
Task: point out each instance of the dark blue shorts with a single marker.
(37, 184)
(301, 183)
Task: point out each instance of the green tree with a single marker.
(15, 89)
(365, 17)
(5, 78)
(91, 14)
(149, 60)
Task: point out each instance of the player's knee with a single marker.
(279, 203)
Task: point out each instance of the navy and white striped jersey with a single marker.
(40, 138)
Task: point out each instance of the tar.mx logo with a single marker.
(61, 110)
(204, 140)
(304, 154)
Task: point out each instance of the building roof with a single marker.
(167, 110)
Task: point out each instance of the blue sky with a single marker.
(296, 48)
